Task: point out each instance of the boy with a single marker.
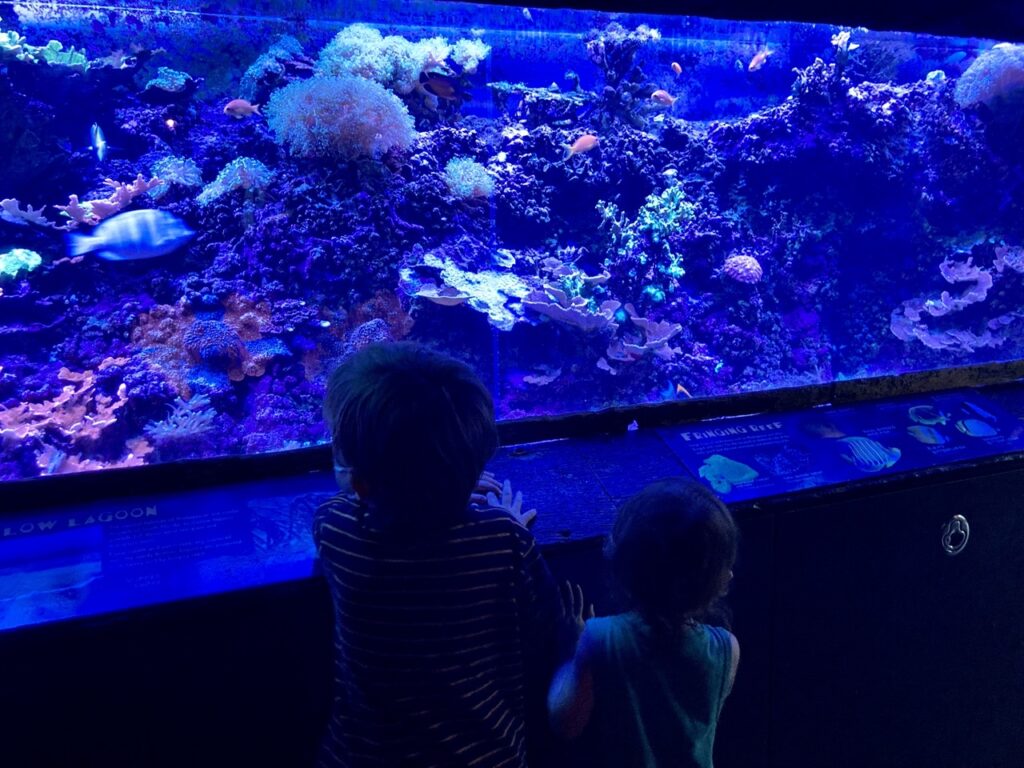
(447, 622)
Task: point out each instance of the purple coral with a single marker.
(213, 342)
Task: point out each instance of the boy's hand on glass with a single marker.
(573, 606)
(487, 483)
(512, 504)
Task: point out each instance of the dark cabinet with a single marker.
(887, 650)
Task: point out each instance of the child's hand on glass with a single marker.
(511, 504)
(487, 483)
(573, 606)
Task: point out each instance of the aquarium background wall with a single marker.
(202, 214)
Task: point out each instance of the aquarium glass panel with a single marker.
(205, 209)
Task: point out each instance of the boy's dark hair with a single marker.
(415, 426)
(669, 549)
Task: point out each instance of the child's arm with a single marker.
(734, 663)
(571, 696)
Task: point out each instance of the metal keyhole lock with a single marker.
(955, 534)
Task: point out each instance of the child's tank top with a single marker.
(656, 701)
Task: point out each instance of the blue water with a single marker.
(746, 206)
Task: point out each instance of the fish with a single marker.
(868, 455)
(241, 109)
(171, 124)
(927, 414)
(133, 235)
(99, 142)
(441, 86)
(759, 60)
(681, 390)
(927, 435)
(527, 15)
(676, 68)
(584, 143)
(664, 98)
(976, 428)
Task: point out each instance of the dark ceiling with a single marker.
(998, 19)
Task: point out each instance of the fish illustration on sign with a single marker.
(976, 428)
(722, 473)
(868, 455)
(927, 435)
(927, 414)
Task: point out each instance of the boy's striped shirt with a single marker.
(434, 636)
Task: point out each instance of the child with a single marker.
(646, 687)
(447, 621)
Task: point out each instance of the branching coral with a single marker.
(339, 117)
(613, 50)
(92, 212)
(186, 421)
(79, 413)
(53, 53)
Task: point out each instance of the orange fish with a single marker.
(676, 68)
(664, 98)
(584, 143)
(241, 109)
(440, 86)
(759, 60)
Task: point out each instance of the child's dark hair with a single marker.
(671, 547)
(416, 427)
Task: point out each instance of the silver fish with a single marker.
(869, 455)
(133, 235)
(99, 142)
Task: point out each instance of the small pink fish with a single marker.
(664, 98)
(241, 109)
(584, 143)
(677, 68)
(759, 60)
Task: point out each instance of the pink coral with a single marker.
(743, 269)
(79, 412)
(94, 211)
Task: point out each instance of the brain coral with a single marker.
(744, 269)
(339, 117)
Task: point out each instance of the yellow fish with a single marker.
(664, 98)
(676, 68)
(759, 60)
(584, 143)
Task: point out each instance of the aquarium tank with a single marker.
(202, 212)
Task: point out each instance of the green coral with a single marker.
(661, 216)
(18, 259)
(53, 53)
(241, 173)
(169, 80)
(467, 178)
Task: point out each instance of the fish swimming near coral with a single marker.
(664, 98)
(759, 59)
(584, 143)
(98, 142)
(927, 435)
(133, 235)
(976, 428)
(441, 86)
(241, 109)
(927, 414)
(723, 473)
(868, 455)
(677, 68)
